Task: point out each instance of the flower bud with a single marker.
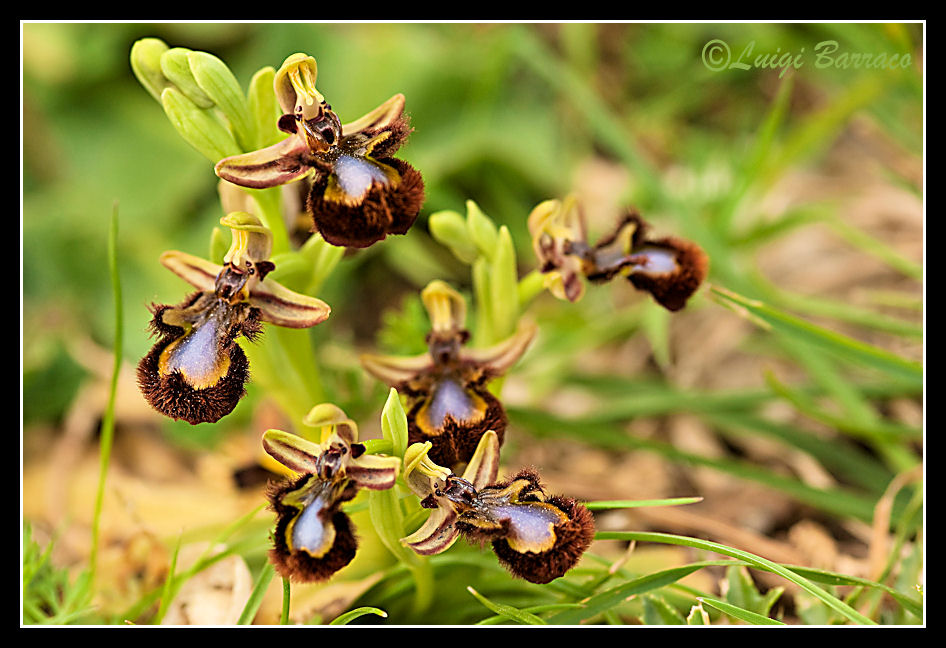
(176, 68)
(146, 64)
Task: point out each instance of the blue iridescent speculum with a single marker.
(197, 354)
(450, 398)
(310, 531)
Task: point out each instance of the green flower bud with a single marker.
(394, 423)
(264, 109)
(197, 126)
(146, 64)
(219, 245)
(449, 229)
(176, 69)
(504, 286)
(482, 229)
(217, 81)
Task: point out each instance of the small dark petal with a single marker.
(173, 397)
(672, 289)
(571, 540)
(287, 124)
(264, 268)
(383, 210)
(299, 566)
(455, 441)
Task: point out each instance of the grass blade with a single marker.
(617, 504)
(507, 611)
(351, 615)
(256, 596)
(738, 613)
(836, 343)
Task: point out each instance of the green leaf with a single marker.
(742, 592)
(836, 343)
(658, 612)
(351, 615)
(507, 611)
(604, 601)
(738, 612)
(698, 615)
(256, 596)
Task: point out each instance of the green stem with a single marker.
(108, 419)
(284, 618)
(530, 287)
(423, 585)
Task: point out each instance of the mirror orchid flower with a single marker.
(669, 268)
(537, 537)
(313, 537)
(448, 402)
(196, 371)
(359, 192)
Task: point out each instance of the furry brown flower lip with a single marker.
(360, 192)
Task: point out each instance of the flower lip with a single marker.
(183, 387)
(536, 537)
(313, 538)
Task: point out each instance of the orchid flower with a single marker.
(670, 268)
(359, 192)
(313, 537)
(196, 371)
(535, 536)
